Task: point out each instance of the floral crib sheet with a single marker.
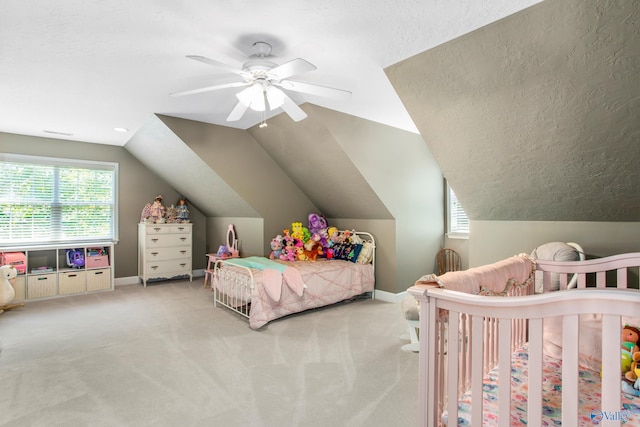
(589, 402)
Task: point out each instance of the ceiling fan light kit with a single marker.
(263, 80)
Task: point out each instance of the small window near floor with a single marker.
(457, 221)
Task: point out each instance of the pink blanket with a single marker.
(273, 274)
(493, 277)
(327, 282)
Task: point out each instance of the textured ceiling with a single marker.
(537, 116)
(79, 68)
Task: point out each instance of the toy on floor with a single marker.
(8, 274)
(631, 380)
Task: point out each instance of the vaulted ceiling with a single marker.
(80, 68)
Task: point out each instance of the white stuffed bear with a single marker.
(8, 275)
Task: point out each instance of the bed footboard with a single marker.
(232, 287)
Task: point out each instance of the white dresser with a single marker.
(164, 251)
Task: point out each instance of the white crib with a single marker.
(485, 323)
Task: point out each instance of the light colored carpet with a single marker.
(164, 356)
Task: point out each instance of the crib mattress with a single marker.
(589, 404)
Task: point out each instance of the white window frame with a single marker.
(57, 237)
(457, 220)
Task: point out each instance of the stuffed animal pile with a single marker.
(319, 240)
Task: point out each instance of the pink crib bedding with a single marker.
(327, 281)
(589, 409)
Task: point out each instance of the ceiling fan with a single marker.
(264, 82)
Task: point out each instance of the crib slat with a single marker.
(601, 279)
(570, 370)
(534, 409)
(611, 401)
(477, 323)
(427, 364)
(622, 278)
(452, 362)
(504, 374)
(582, 280)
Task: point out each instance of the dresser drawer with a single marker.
(168, 229)
(164, 254)
(165, 240)
(157, 269)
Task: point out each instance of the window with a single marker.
(50, 200)
(457, 221)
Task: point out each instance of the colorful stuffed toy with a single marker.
(629, 345)
(318, 225)
(300, 232)
(631, 378)
(313, 249)
(289, 252)
(276, 247)
(630, 338)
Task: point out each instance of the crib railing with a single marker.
(441, 386)
(614, 271)
(460, 336)
(455, 348)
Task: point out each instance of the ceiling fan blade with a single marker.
(210, 88)
(313, 89)
(292, 68)
(292, 109)
(218, 64)
(237, 112)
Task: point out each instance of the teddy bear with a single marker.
(300, 232)
(276, 247)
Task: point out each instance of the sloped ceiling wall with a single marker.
(158, 147)
(537, 116)
(312, 156)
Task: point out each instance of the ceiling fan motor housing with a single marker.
(258, 65)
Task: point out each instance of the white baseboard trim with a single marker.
(390, 297)
(135, 280)
(125, 281)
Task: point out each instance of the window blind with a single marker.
(49, 200)
(458, 220)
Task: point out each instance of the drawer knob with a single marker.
(183, 238)
(183, 252)
(154, 253)
(154, 267)
(157, 228)
(154, 240)
(183, 264)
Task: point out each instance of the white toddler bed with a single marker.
(303, 285)
(561, 350)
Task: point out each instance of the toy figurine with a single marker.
(157, 209)
(183, 210)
